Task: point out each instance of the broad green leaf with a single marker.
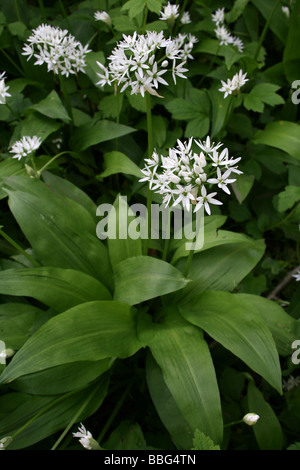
(9, 167)
(18, 322)
(237, 10)
(63, 378)
(154, 5)
(122, 247)
(134, 7)
(203, 442)
(242, 186)
(126, 436)
(39, 125)
(284, 328)
(261, 94)
(117, 162)
(52, 107)
(67, 189)
(219, 110)
(88, 332)
(123, 24)
(169, 413)
(267, 430)
(288, 197)
(92, 68)
(57, 413)
(187, 368)
(283, 135)
(291, 55)
(101, 131)
(111, 105)
(142, 278)
(234, 323)
(61, 232)
(56, 287)
(222, 267)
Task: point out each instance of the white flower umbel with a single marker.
(251, 419)
(3, 89)
(140, 62)
(223, 35)
(103, 16)
(25, 147)
(186, 177)
(86, 439)
(234, 85)
(291, 383)
(56, 48)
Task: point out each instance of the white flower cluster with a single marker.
(3, 89)
(297, 275)
(25, 146)
(55, 47)
(139, 61)
(170, 12)
(222, 33)
(234, 85)
(86, 439)
(183, 175)
(291, 383)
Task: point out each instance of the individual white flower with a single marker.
(185, 19)
(3, 89)
(25, 147)
(238, 43)
(219, 16)
(297, 275)
(206, 199)
(103, 16)
(223, 35)
(5, 441)
(206, 146)
(170, 12)
(222, 180)
(86, 439)
(291, 383)
(60, 51)
(286, 11)
(251, 419)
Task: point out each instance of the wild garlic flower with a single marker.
(140, 61)
(251, 419)
(170, 12)
(219, 16)
(223, 35)
(25, 147)
(286, 11)
(5, 441)
(234, 85)
(103, 16)
(291, 383)
(185, 19)
(3, 89)
(186, 177)
(86, 439)
(297, 275)
(55, 47)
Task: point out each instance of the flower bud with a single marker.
(4, 442)
(251, 419)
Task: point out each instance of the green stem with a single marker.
(167, 240)
(75, 418)
(66, 97)
(12, 61)
(264, 32)
(46, 408)
(114, 413)
(150, 152)
(145, 19)
(19, 248)
(51, 161)
(64, 13)
(188, 263)
(234, 422)
(18, 11)
(182, 9)
(42, 8)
